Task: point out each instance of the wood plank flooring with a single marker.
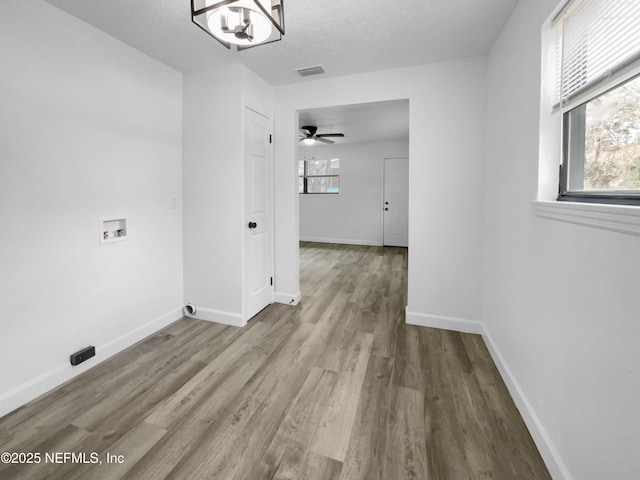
(335, 388)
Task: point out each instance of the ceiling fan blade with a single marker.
(323, 140)
(330, 135)
(305, 131)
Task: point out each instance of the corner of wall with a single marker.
(287, 298)
(541, 438)
(546, 447)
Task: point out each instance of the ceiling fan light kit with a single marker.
(244, 23)
(310, 136)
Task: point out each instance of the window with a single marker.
(598, 92)
(319, 176)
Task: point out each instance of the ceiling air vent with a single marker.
(306, 71)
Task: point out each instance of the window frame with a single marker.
(305, 177)
(571, 137)
(569, 141)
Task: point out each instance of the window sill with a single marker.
(319, 194)
(617, 218)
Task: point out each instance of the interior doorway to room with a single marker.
(342, 171)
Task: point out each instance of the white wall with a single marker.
(355, 215)
(88, 127)
(560, 300)
(213, 186)
(447, 111)
(92, 128)
(213, 164)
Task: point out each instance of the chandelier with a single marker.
(244, 23)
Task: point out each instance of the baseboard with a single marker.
(287, 298)
(343, 241)
(546, 447)
(445, 323)
(55, 377)
(218, 316)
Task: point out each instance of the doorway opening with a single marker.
(342, 186)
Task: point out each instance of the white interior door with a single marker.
(396, 202)
(258, 219)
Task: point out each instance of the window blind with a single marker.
(594, 39)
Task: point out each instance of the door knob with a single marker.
(253, 224)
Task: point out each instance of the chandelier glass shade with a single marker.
(245, 23)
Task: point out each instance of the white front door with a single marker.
(258, 218)
(396, 202)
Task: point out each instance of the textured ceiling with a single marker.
(346, 37)
(362, 122)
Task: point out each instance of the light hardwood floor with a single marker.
(336, 388)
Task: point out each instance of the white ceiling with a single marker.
(366, 122)
(345, 36)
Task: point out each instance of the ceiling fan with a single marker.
(310, 136)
